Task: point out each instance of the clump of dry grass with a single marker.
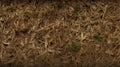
(36, 33)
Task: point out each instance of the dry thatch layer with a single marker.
(41, 33)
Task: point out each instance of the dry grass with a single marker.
(39, 34)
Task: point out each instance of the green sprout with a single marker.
(96, 36)
(74, 47)
(76, 9)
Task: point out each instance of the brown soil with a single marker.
(39, 33)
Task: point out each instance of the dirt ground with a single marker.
(60, 33)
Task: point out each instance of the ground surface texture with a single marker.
(75, 33)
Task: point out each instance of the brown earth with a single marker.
(69, 33)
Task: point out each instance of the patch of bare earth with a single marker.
(39, 33)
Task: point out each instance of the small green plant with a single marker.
(74, 47)
(96, 36)
(76, 9)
